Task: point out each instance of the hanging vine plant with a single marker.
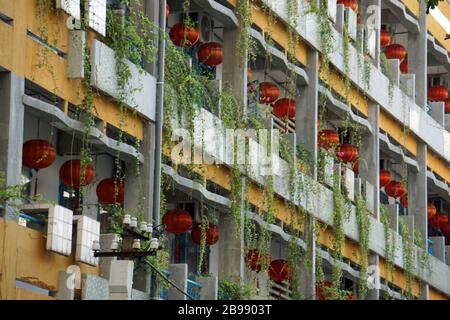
(363, 221)
(408, 257)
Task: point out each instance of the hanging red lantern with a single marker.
(395, 189)
(348, 153)
(38, 154)
(70, 174)
(431, 211)
(211, 54)
(212, 234)
(183, 36)
(111, 191)
(328, 139)
(437, 93)
(446, 229)
(385, 178)
(177, 221)
(284, 108)
(447, 106)
(404, 201)
(441, 220)
(255, 261)
(385, 38)
(395, 51)
(352, 4)
(268, 92)
(279, 270)
(404, 67)
(167, 10)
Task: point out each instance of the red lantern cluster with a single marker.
(446, 229)
(431, 212)
(268, 92)
(437, 93)
(385, 178)
(395, 189)
(211, 54)
(348, 153)
(111, 191)
(447, 106)
(395, 51)
(212, 234)
(285, 108)
(352, 4)
(255, 260)
(279, 270)
(404, 67)
(177, 221)
(328, 139)
(183, 36)
(404, 201)
(385, 38)
(38, 154)
(71, 175)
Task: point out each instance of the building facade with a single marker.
(305, 150)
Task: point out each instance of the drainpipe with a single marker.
(159, 127)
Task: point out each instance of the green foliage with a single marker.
(363, 220)
(234, 289)
(9, 195)
(408, 257)
(390, 243)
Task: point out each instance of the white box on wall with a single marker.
(88, 230)
(71, 7)
(96, 14)
(121, 277)
(59, 231)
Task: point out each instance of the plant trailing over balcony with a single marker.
(363, 221)
(408, 257)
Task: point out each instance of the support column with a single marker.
(12, 88)
(306, 133)
(417, 57)
(418, 200)
(369, 169)
(234, 75)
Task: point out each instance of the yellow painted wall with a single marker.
(436, 295)
(28, 59)
(24, 257)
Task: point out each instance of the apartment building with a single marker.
(305, 150)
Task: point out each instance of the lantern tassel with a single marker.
(35, 184)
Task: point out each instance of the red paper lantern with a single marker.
(395, 189)
(183, 36)
(404, 67)
(446, 229)
(211, 54)
(70, 174)
(279, 270)
(167, 10)
(255, 260)
(404, 201)
(395, 51)
(352, 4)
(437, 93)
(212, 234)
(431, 211)
(348, 153)
(328, 139)
(111, 191)
(447, 106)
(385, 38)
(284, 108)
(268, 92)
(177, 221)
(385, 178)
(38, 154)
(441, 220)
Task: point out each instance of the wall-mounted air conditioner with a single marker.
(88, 231)
(71, 7)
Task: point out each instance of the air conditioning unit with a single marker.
(205, 28)
(71, 7)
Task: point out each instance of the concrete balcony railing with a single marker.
(400, 106)
(320, 204)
